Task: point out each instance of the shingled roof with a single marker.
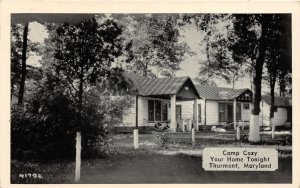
(219, 93)
(279, 101)
(157, 86)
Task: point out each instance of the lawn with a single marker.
(161, 158)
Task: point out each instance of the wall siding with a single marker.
(142, 110)
(280, 117)
(187, 110)
(245, 112)
(129, 117)
(212, 112)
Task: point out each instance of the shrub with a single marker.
(162, 139)
(46, 128)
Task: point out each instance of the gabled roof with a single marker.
(278, 101)
(157, 86)
(219, 93)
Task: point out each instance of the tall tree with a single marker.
(153, 44)
(251, 37)
(278, 54)
(16, 56)
(21, 49)
(218, 63)
(83, 55)
(255, 34)
(23, 69)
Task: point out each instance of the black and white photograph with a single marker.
(151, 98)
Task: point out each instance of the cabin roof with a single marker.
(278, 101)
(219, 93)
(158, 86)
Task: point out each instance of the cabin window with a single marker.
(199, 112)
(157, 110)
(238, 112)
(226, 112)
(165, 111)
(178, 112)
(221, 112)
(151, 110)
(246, 106)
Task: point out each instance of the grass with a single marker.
(161, 158)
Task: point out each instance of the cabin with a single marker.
(282, 111)
(219, 106)
(177, 102)
(156, 101)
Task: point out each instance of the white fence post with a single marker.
(136, 138)
(238, 133)
(273, 127)
(193, 135)
(78, 156)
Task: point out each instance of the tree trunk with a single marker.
(78, 157)
(282, 87)
(79, 130)
(260, 58)
(272, 87)
(23, 71)
(80, 96)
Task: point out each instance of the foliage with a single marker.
(205, 80)
(46, 129)
(16, 57)
(163, 139)
(218, 63)
(152, 44)
(81, 58)
(250, 41)
(35, 137)
(76, 71)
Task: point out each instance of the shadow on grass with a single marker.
(150, 168)
(128, 166)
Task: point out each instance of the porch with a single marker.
(158, 108)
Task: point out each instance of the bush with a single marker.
(163, 139)
(46, 129)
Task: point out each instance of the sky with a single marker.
(190, 67)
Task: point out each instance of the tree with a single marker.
(205, 80)
(218, 37)
(251, 37)
(23, 69)
(21, 49)
(152, 44)
(83, 54)
(278, 55)
(16, 55)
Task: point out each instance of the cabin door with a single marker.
(229, 112)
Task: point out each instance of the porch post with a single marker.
(173, 113)
(234, 114)
(195, 113)
(136, 130)
(195, 121)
